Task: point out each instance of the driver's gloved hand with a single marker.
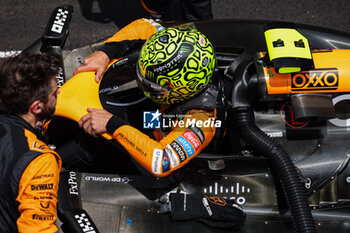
(213, 211)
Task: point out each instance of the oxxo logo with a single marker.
(315, 80)
(151, 119)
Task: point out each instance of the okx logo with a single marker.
(151, 119)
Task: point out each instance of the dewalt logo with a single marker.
(313, 80)
(41, 187)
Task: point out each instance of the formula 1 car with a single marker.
(284, 156)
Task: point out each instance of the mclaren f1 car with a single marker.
(284, 155)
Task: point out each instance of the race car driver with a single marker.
(29, 168)
(174, 69)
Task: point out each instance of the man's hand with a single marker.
(95, 121)
(98, 61)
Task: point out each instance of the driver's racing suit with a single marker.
(29, 176)
(170, 150)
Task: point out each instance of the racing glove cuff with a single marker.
(114, 123)
(113, 50)
(119, 49)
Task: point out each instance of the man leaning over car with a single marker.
(29, 169)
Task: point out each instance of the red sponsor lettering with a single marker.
(192, 138)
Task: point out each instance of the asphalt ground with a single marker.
(23, 21)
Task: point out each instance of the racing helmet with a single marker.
(175, 64)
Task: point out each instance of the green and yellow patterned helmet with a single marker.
(175, 64)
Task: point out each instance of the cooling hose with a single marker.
(244, 87)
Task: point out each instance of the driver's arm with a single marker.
(173, 151)
(131, 36)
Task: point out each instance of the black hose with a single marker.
(279, 159)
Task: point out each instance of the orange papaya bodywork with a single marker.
(79, 93)
(330, 75)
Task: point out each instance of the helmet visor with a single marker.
(155, 90)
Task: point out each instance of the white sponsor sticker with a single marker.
(174, 160)
(157, 161)
(152, 22)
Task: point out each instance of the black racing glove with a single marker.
(213, 211)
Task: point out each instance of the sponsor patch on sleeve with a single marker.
(159, 28)
(198, 132)
(174, 160)
(157, 161)
(152, 22)
(189, 135)
(179, 151)
(166, 162)
(186, 145)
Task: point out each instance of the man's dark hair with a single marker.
(25, 78)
